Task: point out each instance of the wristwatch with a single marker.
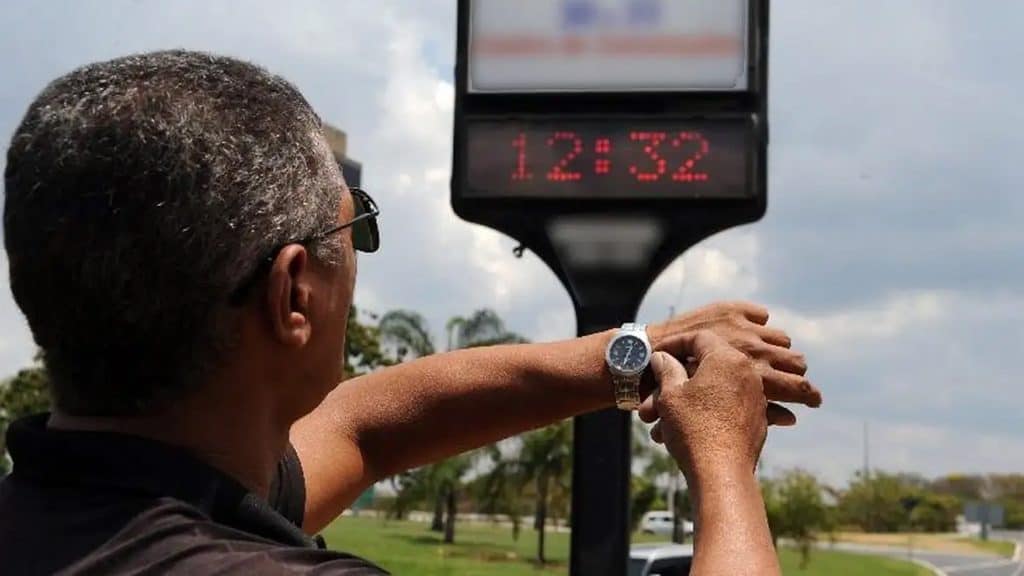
(628, 355)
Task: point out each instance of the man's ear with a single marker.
(288, 296)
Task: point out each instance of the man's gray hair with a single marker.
(139, 193)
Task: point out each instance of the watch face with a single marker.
(628, 354)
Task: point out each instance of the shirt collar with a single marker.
(144, 467)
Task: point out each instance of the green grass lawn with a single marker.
(407, 548)
(1001, 547)
(827, 563)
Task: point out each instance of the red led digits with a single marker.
(685, 171)
(602, 166)
(559, 172)
(668, 160)
(520, 174)
(653, 140)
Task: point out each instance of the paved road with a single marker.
(950, 564)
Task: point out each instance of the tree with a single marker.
(499, 491)
(1009, 491)
(934, 512)
(406, 332)
(482, 328)
(1007, 486)
(796, 510)
(408, 335)
(542, 460)
(406, 495)
(546, 458)
(643, 497)
(446, 480)
(874, 503)
(1014, 519)
(964, 487)
(879, 503)
(363, 352)
(26, 393)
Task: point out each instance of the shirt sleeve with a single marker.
(288, 488)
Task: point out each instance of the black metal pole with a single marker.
(601, 473)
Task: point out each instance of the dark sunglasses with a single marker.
(365, 238)
(365, 234)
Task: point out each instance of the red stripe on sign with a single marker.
(512, 45)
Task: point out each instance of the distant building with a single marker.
(338, 141)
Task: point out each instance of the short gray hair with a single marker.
(139, 193)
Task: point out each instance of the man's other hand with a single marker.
(715, 422)
(743, 326)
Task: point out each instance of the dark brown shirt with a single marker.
(104, 503)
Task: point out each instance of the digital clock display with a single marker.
(609, 159)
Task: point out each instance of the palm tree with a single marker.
(482, 328)
(547, 459)
(409, 335)
(407, 332)
(406, 493)
(543, 459)
(500, 490)
(452, 480)
(439, 482)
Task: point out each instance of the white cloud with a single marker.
(839, 331)
(713, 269)
(724, 267)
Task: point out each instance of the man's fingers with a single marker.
(774, 336)
(779, 415)
(785, 387)
(753, 312)
(667, 370)
(656, 433)
(785, 359)
(647, 411)
(696, 345)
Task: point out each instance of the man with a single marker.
(183, 247)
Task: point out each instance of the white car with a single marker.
(660, 559)
(660, 522)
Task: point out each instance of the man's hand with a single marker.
(714, 424)
(743, 326)
(716, 421)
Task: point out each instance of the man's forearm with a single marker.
(395, 419)
(442, 405)
(732, 529)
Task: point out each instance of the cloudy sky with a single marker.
(893, 246)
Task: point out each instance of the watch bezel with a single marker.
(638, 334)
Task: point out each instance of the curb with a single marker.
(930, 567)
